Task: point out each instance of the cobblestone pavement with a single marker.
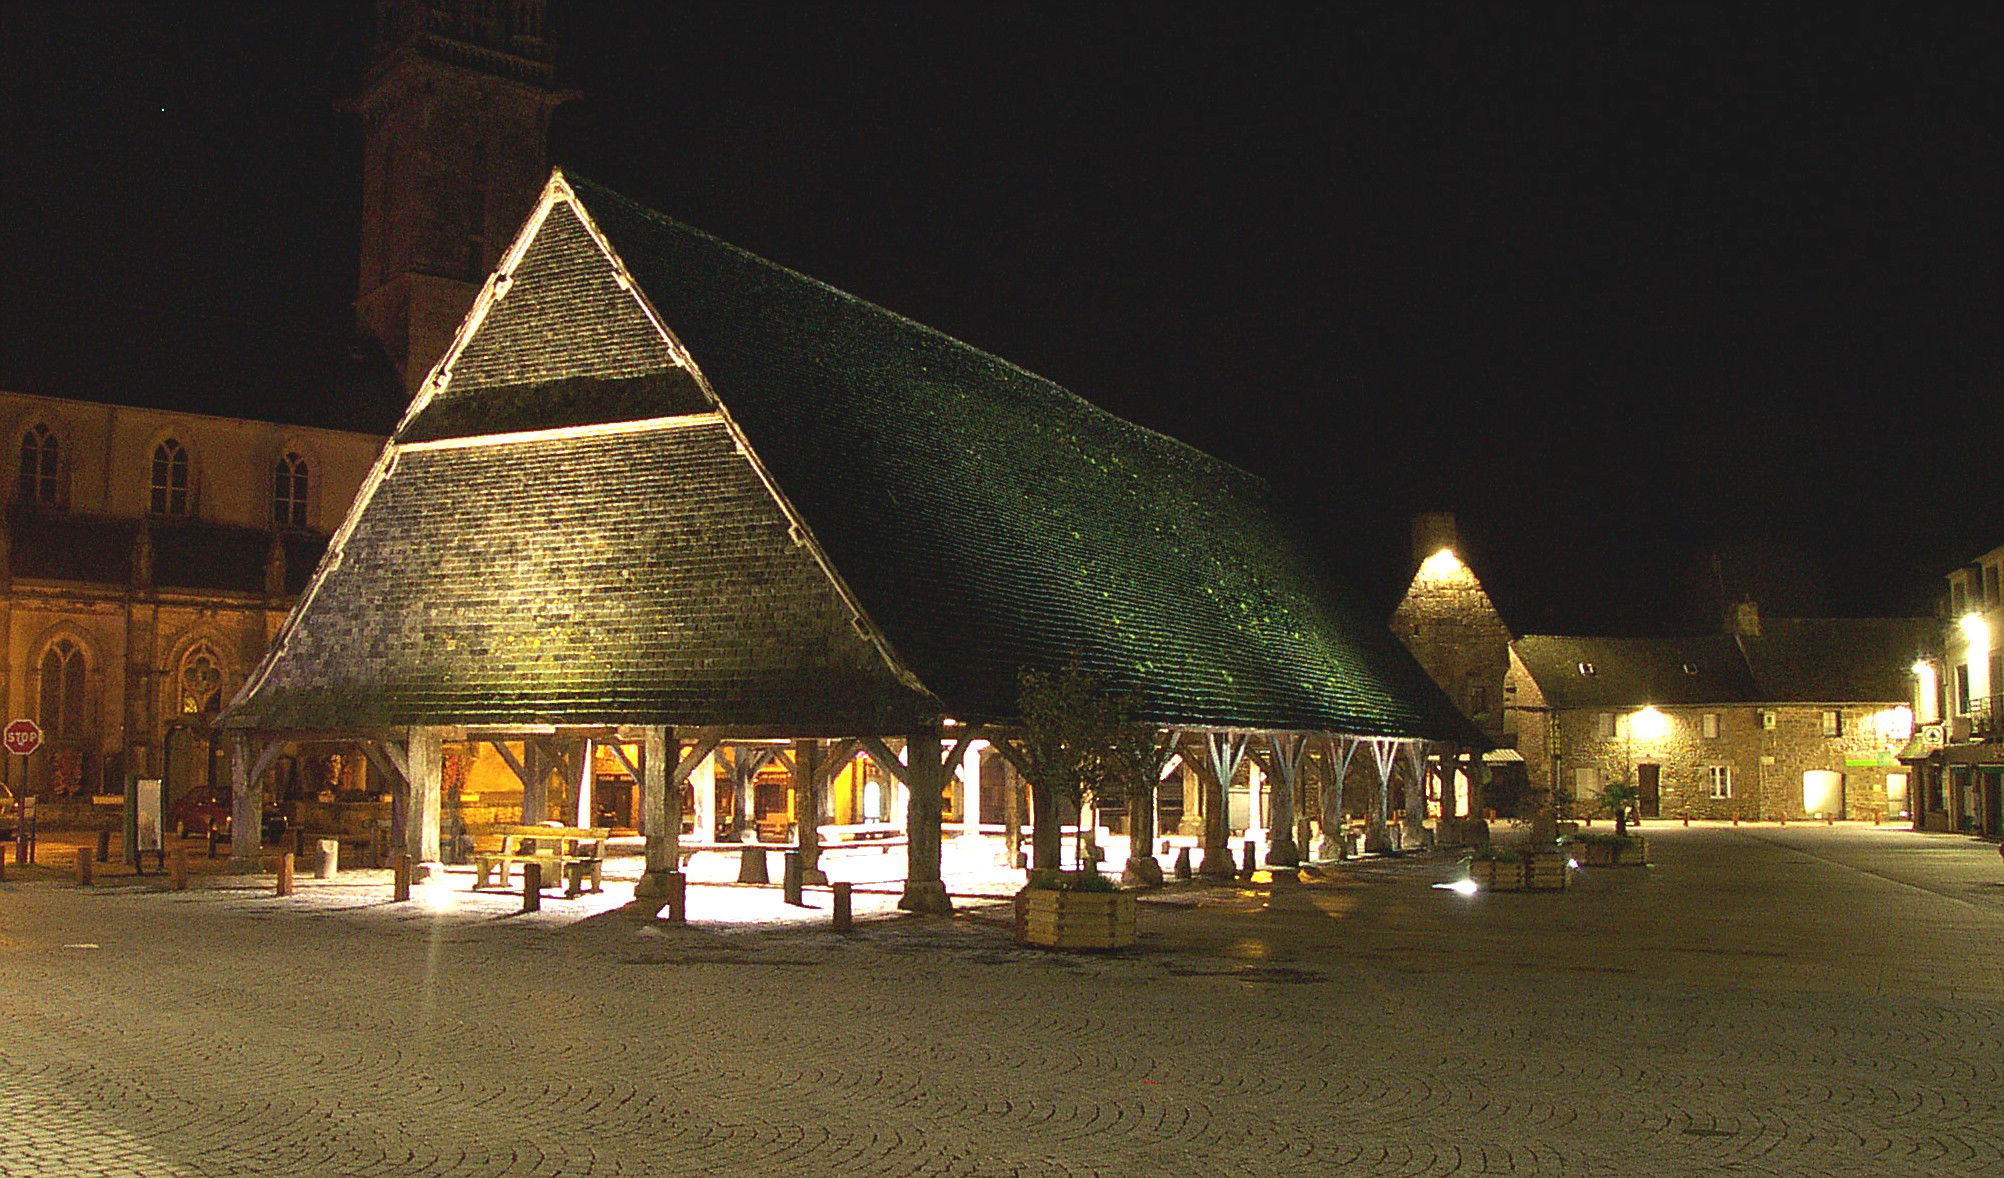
(1762, 1001)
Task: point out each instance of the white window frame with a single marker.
(1708, 725)
(1720, 778)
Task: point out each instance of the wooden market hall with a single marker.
(670, 513)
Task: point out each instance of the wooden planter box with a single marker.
(1078, 920)
(1490, 875)
(1545, 871)
(1635, 854)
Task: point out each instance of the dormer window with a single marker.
(170, 479)
(1587, 669)
(41, 467)
(1690, 668)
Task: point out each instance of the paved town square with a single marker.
(1768, 1000)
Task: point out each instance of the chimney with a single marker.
(1743, 619)
(1433, 531)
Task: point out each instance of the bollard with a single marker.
(792, 880)
(177, 870)
(1183, 863)
(1251, 861)
(678, 898)
(1829, 820)
(532, 887)
(1736, 817)
(285, 873)
(1687, 818)
(330, 859)
(214, 835)
(3, 864)
(400, 878)
(751, 866)
(104, 846)
(1165, 846)
(844, 918)
(1784, 818)
(83, 867)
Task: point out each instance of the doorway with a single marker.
(1649, 790)
(1823, 793)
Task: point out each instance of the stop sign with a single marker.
(21, 736)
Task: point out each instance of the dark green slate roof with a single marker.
(985, 519)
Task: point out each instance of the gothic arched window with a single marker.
(200, 681)
(170, 479)
(288, 502)
(62, 689)
(41, 466)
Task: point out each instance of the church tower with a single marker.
(455, 109)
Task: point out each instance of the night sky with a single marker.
(1628, 288)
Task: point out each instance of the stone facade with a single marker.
(125, 619)
(1448, 622)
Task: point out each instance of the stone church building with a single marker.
(151, 547)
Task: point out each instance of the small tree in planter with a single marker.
(1616, 798)
(1074, 749)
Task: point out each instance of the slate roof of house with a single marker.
(151, 358)
(983, 518)
(1794, 660)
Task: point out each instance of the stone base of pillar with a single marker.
(1282, 852)
(1413, 836)
(1329, 848)
(926, 895)
(1141, 871)
(814, 877)
(1377, 839)
(1447, 832)
(1217, 864)
(653, 885)
(427, 870)
(237, 866)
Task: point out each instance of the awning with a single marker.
(1503, 757)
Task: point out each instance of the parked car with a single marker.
(209, 809)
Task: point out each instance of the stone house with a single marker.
(1771, 718)
(1957, 754)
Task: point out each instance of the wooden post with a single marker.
(1251, 862)
(661, 813)
(246, 809)
(808, 788)
(1288, 753)
(424, 770)
(843, 911)
(535, 784)
(1223, 754)
(104, 846)
(678, 898)
(704, 779)
(792, 881)
(532, 886)
(400, 877)
(83, 867)
(285, 874)
(1012, 815)
(177, 870)
(924, 890)
(1183, 869)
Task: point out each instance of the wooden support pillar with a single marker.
(1472, 766)
(704, 778)
(808, 788)
(745, 764)
(1223, 754)
(535, 784)
(1012, 815)
(925, 773)
(1288, 754)
(1336, 754)
(424, 769)
(660, 812)
(246, 807)
(1415, 819)
(1378, 833)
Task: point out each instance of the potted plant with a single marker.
(1612, 850)
(1617, 799)
(1546, 870)
(1496, 870)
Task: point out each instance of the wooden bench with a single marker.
(881, 835)
(569, 853)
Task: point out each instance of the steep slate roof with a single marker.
(1794, 660)
(983, 518)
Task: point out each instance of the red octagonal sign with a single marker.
(22, 736)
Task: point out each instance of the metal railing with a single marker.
(1986, 717)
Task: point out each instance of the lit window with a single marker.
(1587, 669)
(201, 681)
(170, 479)
(288, 503)
(1833, 722)
(1721, 777)
(62, 690)
(41, 466)
(1709, 725)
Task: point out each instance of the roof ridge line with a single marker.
(656, 215)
